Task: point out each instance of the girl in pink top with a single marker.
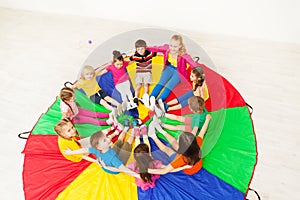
(70, 110)
(175, 71)
(143, 162)
(120, 76)
(143, 159)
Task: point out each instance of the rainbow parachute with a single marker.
(229, 146)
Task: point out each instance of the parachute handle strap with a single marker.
(24, 135)
(196, 58)
(251, 108)
(255, 193)
(66, 84)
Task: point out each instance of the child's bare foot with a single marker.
(145, 99)
(152, 102)
(151, 130)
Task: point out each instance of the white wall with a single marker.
(264, 19)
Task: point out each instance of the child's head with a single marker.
(117, 59)
(99, 141)
(197, 75)
(140, 46)
(196, 104)
(143, 161)
(65, 129)
(87, 73)
(176, 45)
(67, 94)
(188, 147)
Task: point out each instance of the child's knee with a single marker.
(107, 98)
(138, 86)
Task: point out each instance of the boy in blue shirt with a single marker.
(111, 159)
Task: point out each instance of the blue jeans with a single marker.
(169, 78)
(183, 100)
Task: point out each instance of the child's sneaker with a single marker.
(152, 102)
(118, 129)
(105, 131)
(160, 129)
(136, 100)
(157, 125)
(161, 105)
(136, 132)
(143, 130)
(131, 105)
(157, 121)
(135, 122)
(124, 106)
(111, 117)
(158, 112)
(113, 126)
(120, 126)
(119, 109)
(126, 122)
(151, 130)
(145, 99)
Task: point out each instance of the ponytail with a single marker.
(199, 73)
(143, 161)
(66, 94)
(189, 148)
(117, 56)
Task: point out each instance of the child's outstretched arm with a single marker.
(103, 71)
(181, 168)
(122, 168)
(161, 49)
(195, 130)
(205, 126)
(163, 170)
(77, 151)
(83, 151)
(99, 70)
(130, 62)
(159, 54)
(189, 60)
(85, 157)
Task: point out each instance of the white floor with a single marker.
(39, 52)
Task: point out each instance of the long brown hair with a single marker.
(66, 94)
(199, 73)
(189, 148)
(143, 161)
